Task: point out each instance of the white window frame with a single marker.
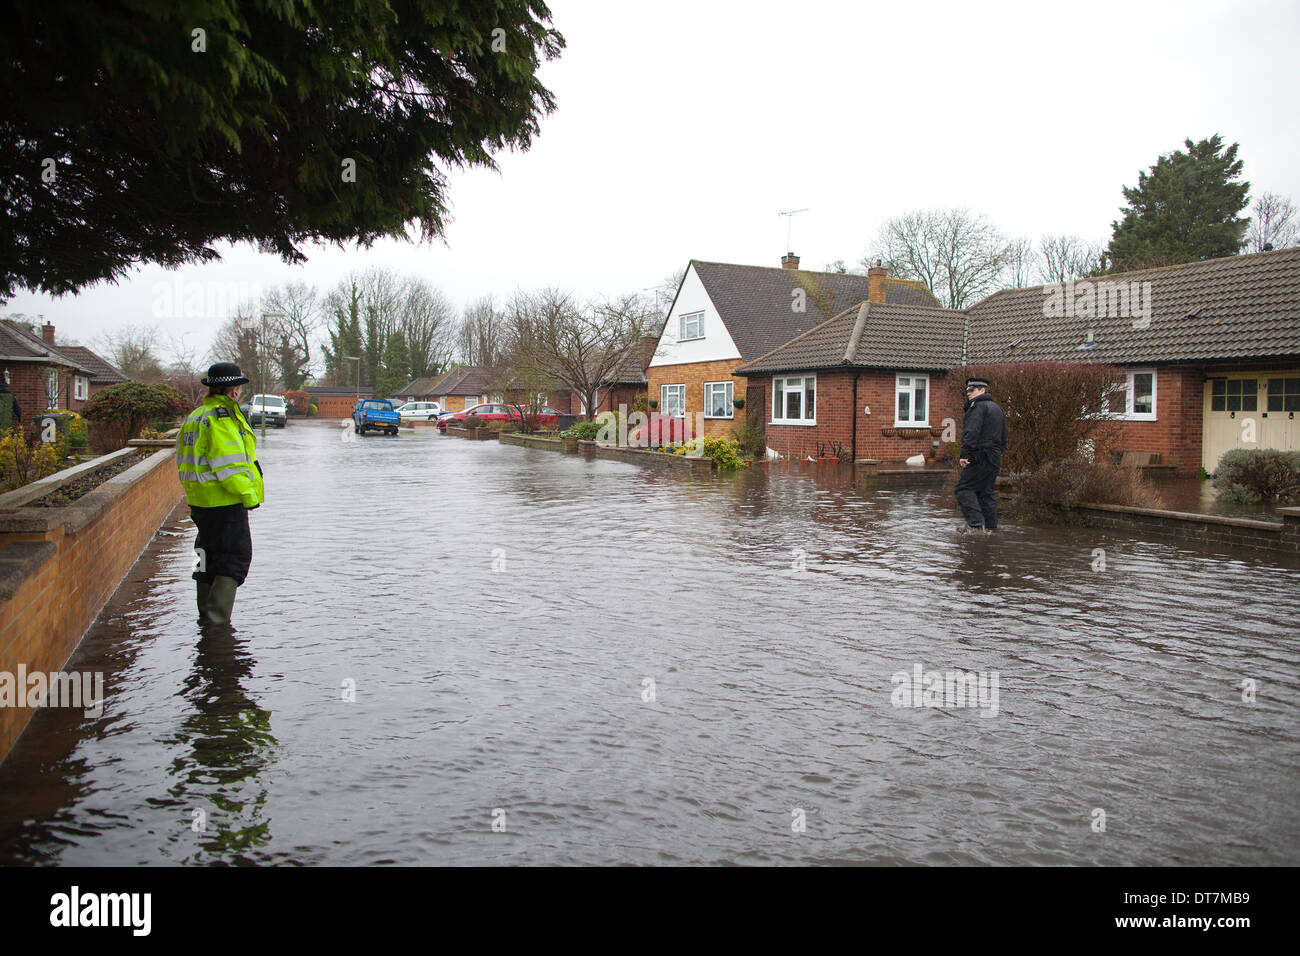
(680, 389)
(52, 388)
(697, 319)
(803, 399)
(912, 379)
(81, 388)
(730, 389)
(1128, 415)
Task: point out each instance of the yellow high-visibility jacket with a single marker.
(216, 455)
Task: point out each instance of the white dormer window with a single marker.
(692, 326)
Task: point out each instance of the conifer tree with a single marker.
(1186, 209)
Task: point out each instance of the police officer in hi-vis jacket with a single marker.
(216, 455)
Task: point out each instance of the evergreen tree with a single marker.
(1186, 209)
(152, 130)
(344, 333)
(393, 370)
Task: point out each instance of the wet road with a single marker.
(617, 666)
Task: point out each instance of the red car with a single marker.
(547, 417)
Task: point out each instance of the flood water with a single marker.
(619, 666)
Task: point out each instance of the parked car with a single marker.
(274, 407)
(547, 417)
(422, 411)
(376, 414)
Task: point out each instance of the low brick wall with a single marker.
(59, 566)
(654, 459)
(532, 441)
(1276, 537)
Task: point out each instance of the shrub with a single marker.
(299, 401)
(313, 409)
(750, 438)
(123, 409)
(1258, 476)
(1059, 486)
(586, 431)
(641, 403)
(1052, 407)
(724, 452)
(22, 461)
(473, 421)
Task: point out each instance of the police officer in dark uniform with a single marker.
(983, 439)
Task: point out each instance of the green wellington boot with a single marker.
(221, 600)
(203, 588)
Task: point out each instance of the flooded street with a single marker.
(617, 666)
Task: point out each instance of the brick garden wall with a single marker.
(54, 580)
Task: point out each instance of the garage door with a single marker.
(1238, 402)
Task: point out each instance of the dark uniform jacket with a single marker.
(984, 431)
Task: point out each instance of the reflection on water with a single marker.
(664, 668)
(230, 745)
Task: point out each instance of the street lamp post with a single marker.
(249, 324)
(356, 375)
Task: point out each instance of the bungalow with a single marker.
(39, 375)
(1210, 352)
(461, 388)
(726, 315)
(869, 382)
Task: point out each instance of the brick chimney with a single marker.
(789, 261)
(47, 333)
(876, 282)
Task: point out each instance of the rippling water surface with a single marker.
(769, 610)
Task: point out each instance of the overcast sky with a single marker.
(683, 129)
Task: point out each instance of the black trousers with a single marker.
(224, 545)
(975, 494)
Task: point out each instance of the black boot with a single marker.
(221, 600)
(203, 587)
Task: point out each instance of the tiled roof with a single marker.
(102, 371)
(1233, 308)
(419, 387)
(466, 380)
(755, 301)
(19, 345)
(871, 335)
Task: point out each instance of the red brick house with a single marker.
(40, 375)
(1210, 351)
(869, 382)
(725, 315)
